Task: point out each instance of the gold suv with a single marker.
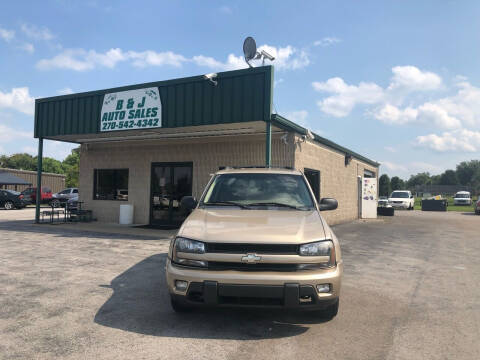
(256, 238)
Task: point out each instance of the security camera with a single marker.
(267, 55)
(309, 135)
(210, 77)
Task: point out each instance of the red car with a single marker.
(30, 194)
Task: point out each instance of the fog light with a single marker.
(181, 285)
(323, 288)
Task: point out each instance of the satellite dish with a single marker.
(249, 49)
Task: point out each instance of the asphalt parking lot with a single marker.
(410, 291)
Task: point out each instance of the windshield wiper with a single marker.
(226, 203)
(276, 204)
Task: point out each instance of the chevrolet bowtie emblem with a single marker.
(251, 258)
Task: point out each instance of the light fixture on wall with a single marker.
(348, 159)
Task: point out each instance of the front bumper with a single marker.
(257, 289)
(400, 206)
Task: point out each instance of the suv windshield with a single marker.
(462, 196)
(399, 194)
(253, 190)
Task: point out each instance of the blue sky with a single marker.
(397, 81)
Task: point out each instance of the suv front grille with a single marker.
(286, 249)
(217, 265)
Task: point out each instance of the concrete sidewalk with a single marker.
(27, 218)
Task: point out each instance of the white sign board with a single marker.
(132, 109)
(369, 198)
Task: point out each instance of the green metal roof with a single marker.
(240, 96)
(288, 125)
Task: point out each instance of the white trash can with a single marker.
(126, 214)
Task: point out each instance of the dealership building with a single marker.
(148, 145)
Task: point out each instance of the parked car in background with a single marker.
(10, 199)
(72, 204)
(382, 201)
(462, 198)
(402, 199)
(477, 206)
(61, 198)
(30, 194)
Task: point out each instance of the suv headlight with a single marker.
(189, 246)
(319, 248)
(184, 245)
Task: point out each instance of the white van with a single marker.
(462, 198)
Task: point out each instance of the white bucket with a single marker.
(126, 214)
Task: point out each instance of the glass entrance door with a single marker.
(170, 183)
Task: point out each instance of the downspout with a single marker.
(268, 144)
(39, 180)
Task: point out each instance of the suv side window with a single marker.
(75, 191)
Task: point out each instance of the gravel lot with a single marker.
(410, 291)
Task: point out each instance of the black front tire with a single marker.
(8, 205)
(179, 307)
(331, 311)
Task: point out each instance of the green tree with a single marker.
(449, 177)
(51, 165)
(466, 171)
(70, 168)
(19, 161)
(397, 183)
(384, 187)
(419, 179)
(435, 179)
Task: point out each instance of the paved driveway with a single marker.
(410, 291)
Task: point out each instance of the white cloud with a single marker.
(82, 60)
(390, 114)
(28, 47)
(394, 166)
(298, 116)
(7, 134)
(286, 58)
(327, 41)
(390, 149)
(414, 79)
(7, 35)
(32, 150)
(37, 32)
(432, 113)
(18, 99)
(405, 80)
(149, 57)
(346, 96)
(65, 91)
(57, 149)
(462, 140)
(407, 169)
(428, 113)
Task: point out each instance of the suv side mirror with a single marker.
(411, 196)
(328, 204)
(188, 203)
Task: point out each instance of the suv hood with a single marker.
(253, 226)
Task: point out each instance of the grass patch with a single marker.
(450, 207)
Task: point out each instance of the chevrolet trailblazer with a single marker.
(256, 238)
